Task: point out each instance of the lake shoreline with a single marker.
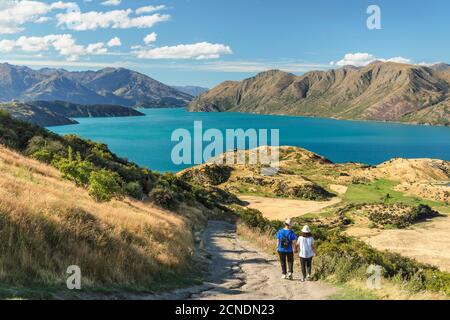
(146, 140)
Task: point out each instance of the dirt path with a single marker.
(280, 209)
(238, 271)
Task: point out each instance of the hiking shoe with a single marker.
(289, 276)
(283, 276)
(308, 278)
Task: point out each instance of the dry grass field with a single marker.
(48, 224)
(427, 242)
(281, 209)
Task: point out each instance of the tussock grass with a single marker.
(48, 224)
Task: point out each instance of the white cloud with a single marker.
(240, 66)
(15, 13)
(428, 64)
(60, 5)
(150, 38)
(64, 44)
(42, 19)
(199, 51)
(111, 2)
(362, 59)
(65, 63)
(116, 19)
(149, 9)
(114, 42)
(7, 46)
(96, 48)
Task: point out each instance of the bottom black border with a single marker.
(221, 309)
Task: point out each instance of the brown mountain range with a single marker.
(383, 91)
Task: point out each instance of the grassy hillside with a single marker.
(47, 224)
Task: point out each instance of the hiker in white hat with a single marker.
(306, 252)
(285, 246)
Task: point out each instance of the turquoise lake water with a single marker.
(147, 140)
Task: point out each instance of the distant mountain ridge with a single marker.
(117, 86)
(383, 91)
(56, 113)
(191, 90)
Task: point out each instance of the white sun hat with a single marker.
(306, 229)
(288, 222)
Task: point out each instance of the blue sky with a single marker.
(204, 42)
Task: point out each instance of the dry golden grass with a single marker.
(281, 209)
(262, 240)
(391, 290)
(427, 242)
(48, 224)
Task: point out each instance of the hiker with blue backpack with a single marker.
(285, 246)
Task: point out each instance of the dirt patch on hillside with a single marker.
(280, 209)
(427, 242)
(340, 189)
(412, 170)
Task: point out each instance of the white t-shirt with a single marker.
(305, 247)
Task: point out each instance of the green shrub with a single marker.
(134, 189)
(42, 155)
(163, 197)
(77, 171)
(104, 185)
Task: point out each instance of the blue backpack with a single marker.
(285, 241)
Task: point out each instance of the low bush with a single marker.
(104, 185)
(163, 197)
(389, 218)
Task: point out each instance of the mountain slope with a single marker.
(120, 243)
(35, 114)
(191, 90)
(73, 110)
(379, 91)
(107, 86)
(55, 113)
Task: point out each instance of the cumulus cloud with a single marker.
(114, 42)
(116, 19)
(150, 38)
(198, 51)
(15, 13)
(149, 9)
(64, 44)
(111, 2)
(362, 59)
